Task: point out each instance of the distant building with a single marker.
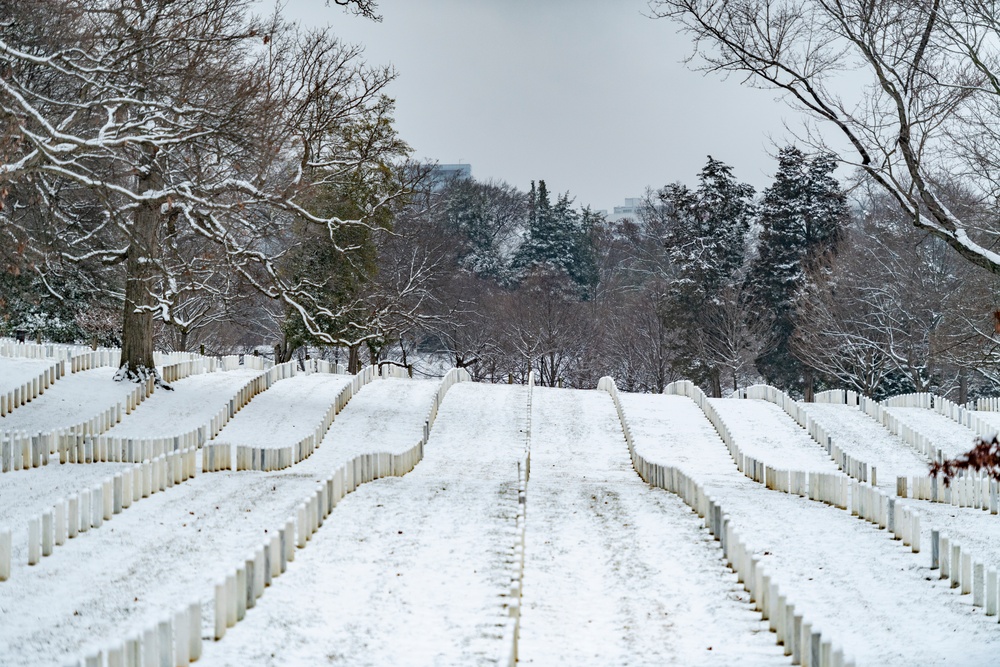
(441, 174)
(630, 211)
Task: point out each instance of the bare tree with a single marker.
(182, 138)
(734, 331)
(929, 96)
(891, 312)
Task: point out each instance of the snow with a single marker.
(16, 371)
(870, 594)
(864, 438)
(616, 572)
(192, 404)
(73, 399)
(286, 413)
(416, 570)
(951, 437)
(169, 549)
(414, 566)
(765, 432)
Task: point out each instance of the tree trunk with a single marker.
(141, 267)
(715, 379)
(353, 359)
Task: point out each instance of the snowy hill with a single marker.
(455, 523)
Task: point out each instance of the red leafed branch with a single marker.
(984, 456)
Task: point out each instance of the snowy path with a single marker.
(864, 438)
(860, 588)
(285, 413)
(405, 571)
(15, 371)
(170, 548)
(765, 432)
(192, 404)
(950, 436)
(71, 400)
(618, 573)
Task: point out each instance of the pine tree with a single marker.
(558, 239)
(801, 216)
(705, 239)
(708, 238)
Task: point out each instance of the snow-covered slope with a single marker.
(872, 595)
(616, 572)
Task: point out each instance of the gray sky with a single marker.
(589, 95)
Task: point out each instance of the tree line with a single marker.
(189, 174)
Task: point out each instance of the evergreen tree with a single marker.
(801, 216)
(705, 239)
(558, 239)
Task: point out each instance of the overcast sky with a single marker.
(590, 95)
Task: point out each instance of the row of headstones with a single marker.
(964, 573)
(978, 491)
(885, 512)
(13, 348)
(990, 404)
(91, 507)
(241, 589)
(77, 448)
(916, 440)
(269, 459)
(512, 626)
(182, 369)
(866, 501)
(921, 399)
(234, 362)
(175, 357)
(798, 637)
(31, 389)
(20, 451)
(964, 416)
(851, 466)
(174, 641)
(824, 487)
(216, 455)
(96, 359)
(837, 397)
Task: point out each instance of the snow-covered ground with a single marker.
(415, 570)
(16, 371)
(871, 595)
(618, 573)
(765, 432)
(864, 438)
(406, 571)
(71, 400)
(192, 403)
(287, 412)
(951, 437)
(169, 549)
